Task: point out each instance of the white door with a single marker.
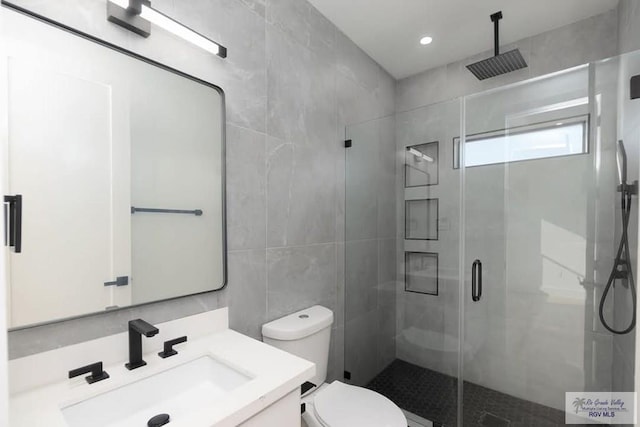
(68, 157)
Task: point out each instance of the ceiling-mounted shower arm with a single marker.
(495, 18)
(500, 63)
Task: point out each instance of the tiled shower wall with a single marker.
(628, 26)
(292, 82)
(574, 44)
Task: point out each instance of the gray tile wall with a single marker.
(628, 26)
(578, 43)
(293, 81)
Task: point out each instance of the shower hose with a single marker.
(622, 266)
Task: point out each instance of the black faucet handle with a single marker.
(97, 373)
(168, 347)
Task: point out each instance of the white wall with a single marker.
(4, 377)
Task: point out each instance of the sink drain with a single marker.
(159, 420)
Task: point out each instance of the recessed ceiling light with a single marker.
(426, 40)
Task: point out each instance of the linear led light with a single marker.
(419, 154)
(137, 15)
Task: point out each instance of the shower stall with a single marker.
(481, 233)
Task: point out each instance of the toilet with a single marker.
(307, 334)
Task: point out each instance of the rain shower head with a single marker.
(500, 63)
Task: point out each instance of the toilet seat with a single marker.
(343, 405)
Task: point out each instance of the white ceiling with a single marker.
(389, 30)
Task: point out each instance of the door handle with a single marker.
(120, 281)
(13, 222)
(476, 280)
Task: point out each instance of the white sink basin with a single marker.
(178, 392)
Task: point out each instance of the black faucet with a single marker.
(137, 328)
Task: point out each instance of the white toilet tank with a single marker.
(307, 334)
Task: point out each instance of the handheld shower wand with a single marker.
(621, 159)
(622, 268)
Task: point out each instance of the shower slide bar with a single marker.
(196, 212)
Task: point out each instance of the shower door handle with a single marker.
(13, 222)
(476, 280)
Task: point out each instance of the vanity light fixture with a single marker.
(138, 15)
(420, 155)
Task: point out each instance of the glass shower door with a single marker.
(538, 176)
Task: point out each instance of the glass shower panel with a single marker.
(402, 260)
(370, 245)
(535, 226)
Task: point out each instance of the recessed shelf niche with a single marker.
(421, 219)
(421, 165)
(421, 272)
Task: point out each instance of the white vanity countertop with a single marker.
(274, 374)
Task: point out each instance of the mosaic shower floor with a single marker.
(432, 395)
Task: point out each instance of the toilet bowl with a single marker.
(342, 405)
(307, 334)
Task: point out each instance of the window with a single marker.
(562, 137)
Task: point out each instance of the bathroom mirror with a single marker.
(119, 162)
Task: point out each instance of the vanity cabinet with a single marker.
(219, 378)
(284, 412)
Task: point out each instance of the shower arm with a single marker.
(495, 18)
